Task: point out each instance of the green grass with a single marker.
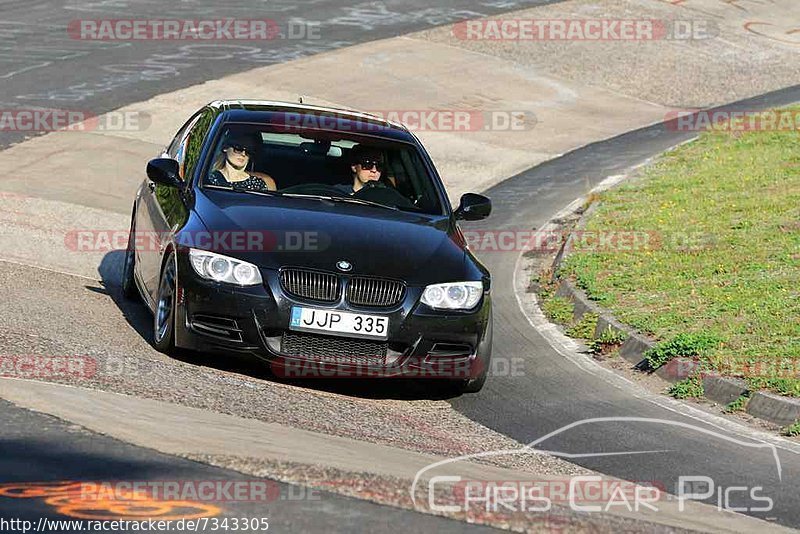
(792, 430)
(723, 255)
(691, 387)
(584, 328)
(558, 309)
(607, 337)
(737, 405)
(685, 344)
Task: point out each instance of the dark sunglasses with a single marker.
(241, 149)
(369, 164)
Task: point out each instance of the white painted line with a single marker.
(48, 269)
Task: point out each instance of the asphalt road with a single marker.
(554, 392)
(53, 451)
(42, 65)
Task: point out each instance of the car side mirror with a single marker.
(473, 207)
(164, 171)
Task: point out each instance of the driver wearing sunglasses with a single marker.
(230, 169)
(367, 166)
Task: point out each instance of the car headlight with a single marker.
(221, 268)
(453, 296)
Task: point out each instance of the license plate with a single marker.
(332, 321)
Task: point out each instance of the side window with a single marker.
(180, 155)
(193, 143)
(174, 146)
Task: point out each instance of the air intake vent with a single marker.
(221, 327)
(334, 349)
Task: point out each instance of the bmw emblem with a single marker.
(344, 266)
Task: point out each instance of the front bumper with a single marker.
(220, 318)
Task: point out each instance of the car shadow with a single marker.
(135, 312)
(139, 318)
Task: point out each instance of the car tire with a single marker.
(474, 385)
(129, 289)
(166, 301)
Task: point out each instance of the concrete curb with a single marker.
(779, 410)
(776, 409)
(724, 390)
(635, 344)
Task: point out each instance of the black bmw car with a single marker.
(318, 239)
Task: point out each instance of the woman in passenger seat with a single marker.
(230, 167)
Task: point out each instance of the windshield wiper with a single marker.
(350, 200)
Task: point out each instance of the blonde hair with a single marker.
(219, 162)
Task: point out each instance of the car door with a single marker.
(151, 221)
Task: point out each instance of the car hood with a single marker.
(416, 248)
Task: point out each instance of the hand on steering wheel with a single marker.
(373, 184)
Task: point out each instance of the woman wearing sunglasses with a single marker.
(230, 169)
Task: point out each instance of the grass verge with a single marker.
(705, 248)
(584, 328)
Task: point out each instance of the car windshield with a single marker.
(333, 166)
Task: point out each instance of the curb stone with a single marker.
(635, 344)
(582, 214)
(724, 390)
(776, 409)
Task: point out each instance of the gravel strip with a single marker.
(404, 414)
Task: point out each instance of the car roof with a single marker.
(275, 112)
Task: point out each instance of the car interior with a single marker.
(302, 162)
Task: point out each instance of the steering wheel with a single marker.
(377, 191)
(374, 184)
(313, 188)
